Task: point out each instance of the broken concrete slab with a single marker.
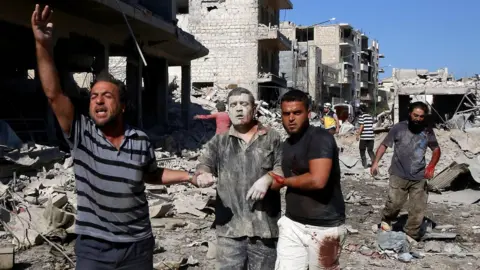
(473, 166)
(466, 196)
(59, 200)
(469, 141)
(7, 257)
(27, 225)
(159, 208)
(445, 178)
(441, 236)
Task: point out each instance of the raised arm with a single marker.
(42, 30)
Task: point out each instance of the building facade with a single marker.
(350, 65)
(243, 40)
(87, 33)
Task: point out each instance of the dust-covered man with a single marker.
(408, 174)
(312, 232)
(247, 209)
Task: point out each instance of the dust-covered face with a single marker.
(240, 109)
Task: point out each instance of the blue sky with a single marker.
(412, 33)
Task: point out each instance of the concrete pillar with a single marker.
(186, 87)
(134, 86)
(162, 90)
(101, 59)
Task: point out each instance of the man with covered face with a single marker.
(113, 161)
(408, 174)
(247, 208)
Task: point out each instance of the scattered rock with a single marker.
(405, 257)
(465, 214)
(452, 248)
(351, 230)
(212, 250)
(433, 246)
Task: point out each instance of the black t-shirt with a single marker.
(324, 207)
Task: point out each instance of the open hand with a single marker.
(259, 188)
(42, 26)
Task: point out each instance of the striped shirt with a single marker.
(111, 200)
(367, 121)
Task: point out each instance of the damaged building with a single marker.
(446, 96)
(87, 34)
(244, 41)
(349, 63)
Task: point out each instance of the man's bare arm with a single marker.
(380, 151)
(60, 103)
(316, 178)
(168, 177)
(435, 156)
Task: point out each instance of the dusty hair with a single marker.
(239, 91)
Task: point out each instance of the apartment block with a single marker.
(302, 66)
(350, 65)
(243, 40)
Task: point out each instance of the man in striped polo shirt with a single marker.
(112, 163)
(365, 135)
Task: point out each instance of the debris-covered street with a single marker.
(182, 215)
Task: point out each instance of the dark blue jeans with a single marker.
(246, 253)
(97, 254)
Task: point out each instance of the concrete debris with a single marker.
(405, 257)
(384, 121)
(465, 197)
(159, 209)
(7, 257)
(469, 141)
(445, 178)
(395, 241)
(433, 246)
(440, 78)
(451, 248)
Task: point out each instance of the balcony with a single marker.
(366, 97)
(346, 76)
(381, 70)
(363, 84)
(381, 55)
(345, 42)
(272, 38)
(271, 79)
(364, 67)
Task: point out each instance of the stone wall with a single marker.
(328, 39)
(229, 30)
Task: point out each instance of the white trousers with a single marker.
(302, 247)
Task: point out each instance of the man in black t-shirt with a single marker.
(312, 232)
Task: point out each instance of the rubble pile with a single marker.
(435, 79)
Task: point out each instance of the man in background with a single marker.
(221, 117)
(365, 135)
(330, 119)
(408, 175)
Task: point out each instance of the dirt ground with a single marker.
(183, 237)
(183, 241)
